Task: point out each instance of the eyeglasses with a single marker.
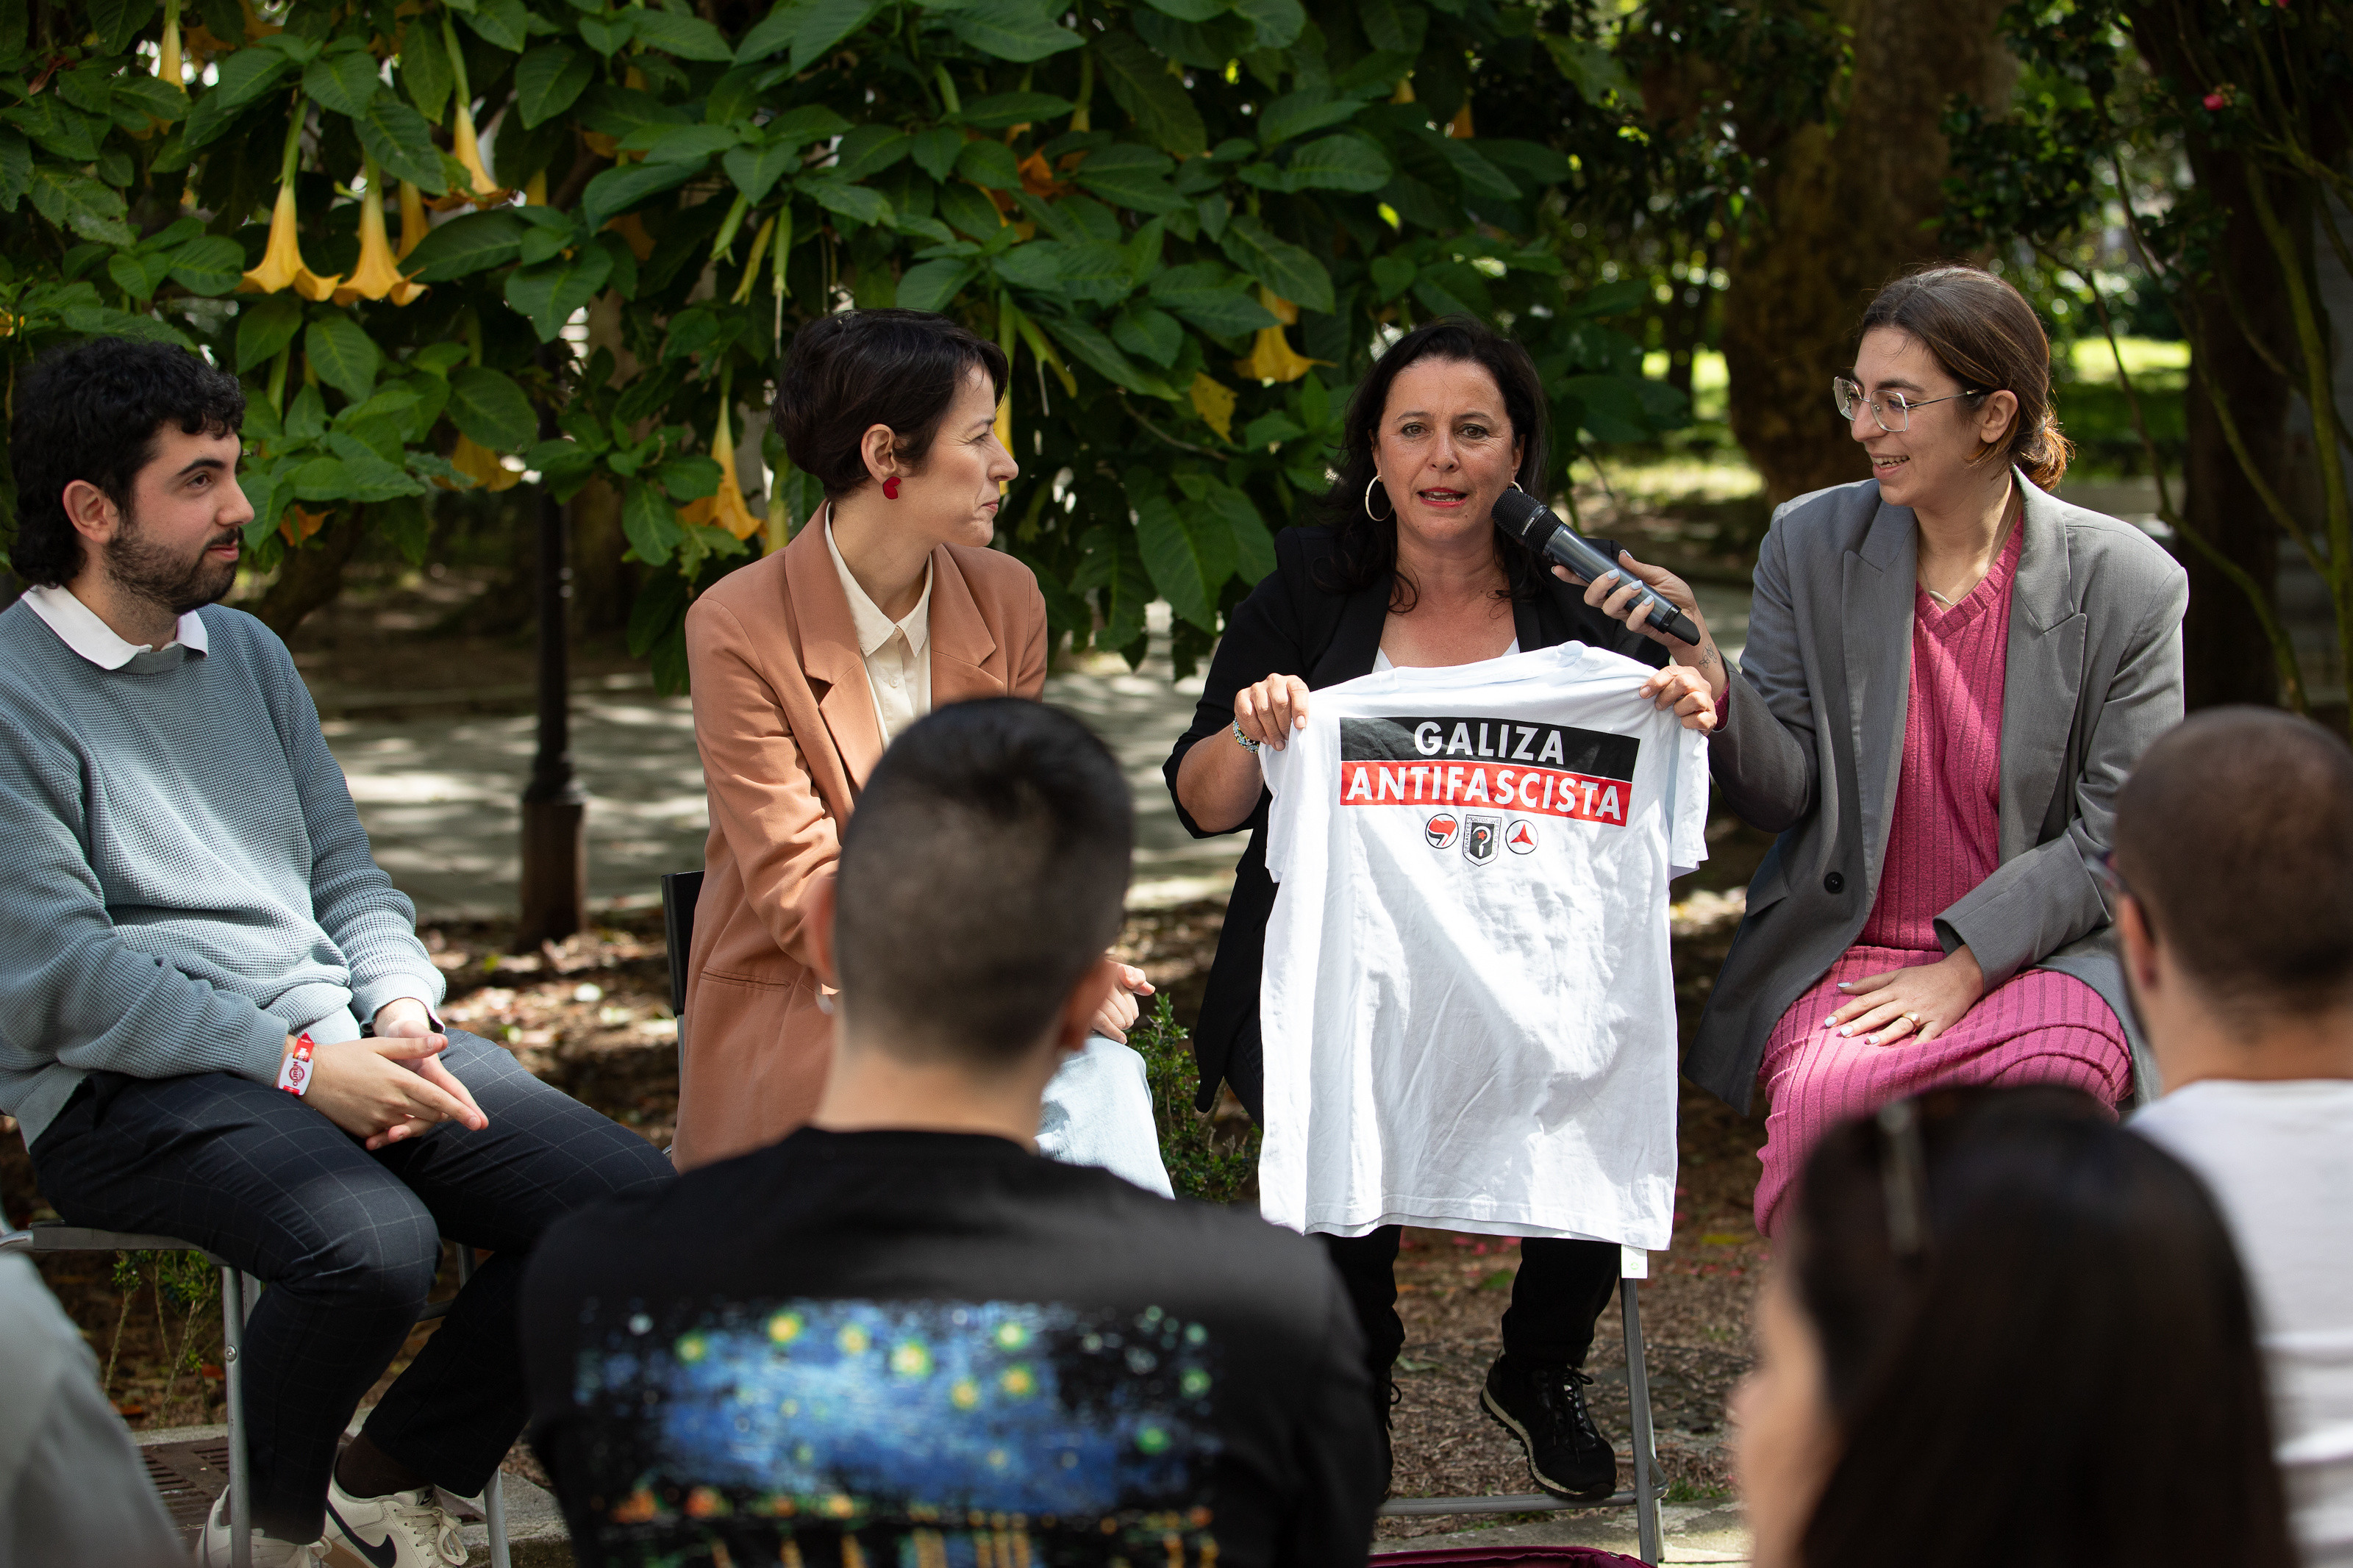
(1893, 410)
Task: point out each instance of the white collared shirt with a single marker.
(897, 653)
(79, 627)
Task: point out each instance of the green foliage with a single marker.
(1190, 224)
(1201, 1164)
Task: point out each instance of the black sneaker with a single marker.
(1544, 1407)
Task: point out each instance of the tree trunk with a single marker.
(1842, 214)
(310, 578)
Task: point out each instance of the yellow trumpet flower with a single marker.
(1270, 357)
(726, 508)
(378, 272)
(167, 57)
(479, 464)
(413, 226)
(464, 146)
(281, 262)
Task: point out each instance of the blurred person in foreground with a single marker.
(2003, 1329)
(900, 1335)
(2234, 886)
(73, 1490)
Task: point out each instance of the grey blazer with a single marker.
(1813, 738)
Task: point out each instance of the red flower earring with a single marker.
(890, 487)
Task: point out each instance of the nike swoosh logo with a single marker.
(384, 1556)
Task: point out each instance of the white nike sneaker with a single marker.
(398, 1529)
(213, 1545)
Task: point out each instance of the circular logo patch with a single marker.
(1440, 830)
(1522, 838)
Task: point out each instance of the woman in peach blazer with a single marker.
(885, 605)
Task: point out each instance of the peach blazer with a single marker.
(784, 720)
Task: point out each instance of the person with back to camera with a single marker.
(805, 664)
(216, 1019)
(1949, 672)
(1409, 572)
(1975, 1344)
(2244, 979)
(897, 1336)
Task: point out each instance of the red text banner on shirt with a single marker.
(1551, 770)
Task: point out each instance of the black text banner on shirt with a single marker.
(1583, 774)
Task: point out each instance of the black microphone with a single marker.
(1533, 523)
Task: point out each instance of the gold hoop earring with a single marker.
(1377, 517)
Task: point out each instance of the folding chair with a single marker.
(1644, 1499)
(238, 1290)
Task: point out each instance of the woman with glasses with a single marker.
(1974, 1346)
(1949, 671)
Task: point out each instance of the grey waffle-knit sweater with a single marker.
(183, 880)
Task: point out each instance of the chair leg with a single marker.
(494, 1502)
(1646, 1453)
(240, 1478)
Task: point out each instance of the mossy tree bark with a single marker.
(1844, 210)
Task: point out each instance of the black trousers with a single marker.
(348, 1242)
(1559, 1293)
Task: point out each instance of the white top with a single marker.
(1468, 1003)
(2279, 1158)
(1381, 665)
(79, 627)
(897, 653)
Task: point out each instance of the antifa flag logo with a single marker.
(1480, 838)
(1440, 829)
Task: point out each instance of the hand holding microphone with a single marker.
(1535, 524)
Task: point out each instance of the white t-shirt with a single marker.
(2279, 1158)
(1468, 1004)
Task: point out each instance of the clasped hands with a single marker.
(393, 1087)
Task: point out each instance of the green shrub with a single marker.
(1202, 1161)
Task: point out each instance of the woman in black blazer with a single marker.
(1411, 567)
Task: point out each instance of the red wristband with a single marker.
(294, 1072)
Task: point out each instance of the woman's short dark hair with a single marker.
(1987, 337)
(1369, 544)
(2063, 1373)
(91, 412)
(847, 374)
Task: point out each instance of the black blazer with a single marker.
(1299, 622)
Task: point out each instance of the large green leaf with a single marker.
(615, 191)
(136, 275)
(425, 73)
(1289, 270)
(117, 22)
(401, 141)
(1173, 556)
(929, 285)
(935, 151)
(245, 76)
(491, 409)
(1213, 298)
(209, 264)
(1279, 22)
(1111, 568)
(989, 164)
(16, 168)
(342, 354)
(342, 79)
(1130, 176)
(1155, 101)
(264, 326)
(551, 291)
(649, 522)
(771, 35)
(1297, 113)
(474, 243)
(549, 81)
(368, 475)
(756, 169)
(1019, 30)
(836, 195)
(665, 144)
(824, 23)
(1338, 163)
(506, 23)
(78, 203)
(1218, 502)
(681, 38)
(1097, 352)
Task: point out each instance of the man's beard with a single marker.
(140, 567)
